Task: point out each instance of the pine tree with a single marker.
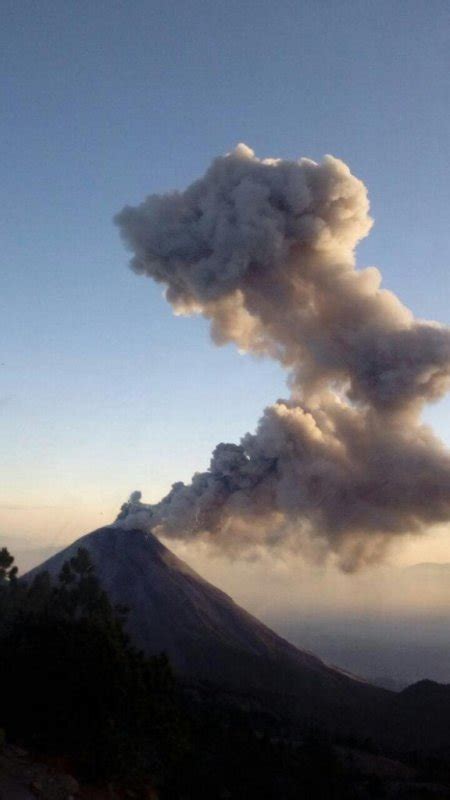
(7, 571)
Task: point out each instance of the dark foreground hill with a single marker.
(211, 641)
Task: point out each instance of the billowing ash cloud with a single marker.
(265, 250)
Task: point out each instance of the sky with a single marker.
(102, 389)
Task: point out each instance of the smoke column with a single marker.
(264, 249)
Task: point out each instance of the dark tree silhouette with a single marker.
(7, 571)
(85, 692)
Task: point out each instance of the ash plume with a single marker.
(264, 249)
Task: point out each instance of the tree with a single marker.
(86, 693)
(7, 571)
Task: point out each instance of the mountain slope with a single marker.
(209, 638)
(171, 607)
(205, 634)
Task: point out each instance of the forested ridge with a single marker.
(75, 687)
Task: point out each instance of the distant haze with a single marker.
(387, 623)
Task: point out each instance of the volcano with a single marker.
(209, 639)
(218, 649)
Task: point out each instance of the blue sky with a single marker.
(102, 390)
